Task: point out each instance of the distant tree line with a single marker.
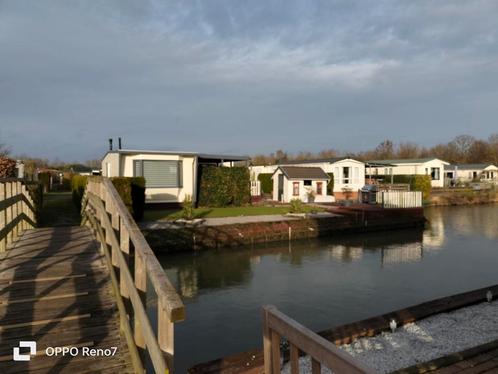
(463, 149)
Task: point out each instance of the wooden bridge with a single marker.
(82, 287)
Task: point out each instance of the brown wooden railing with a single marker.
(277, 325)
(132, 263)
(17, 211)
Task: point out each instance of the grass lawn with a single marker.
(59, 210)
(171, 214)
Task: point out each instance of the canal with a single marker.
(328, 282)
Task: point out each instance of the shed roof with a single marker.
(330, 160)
(304, 172)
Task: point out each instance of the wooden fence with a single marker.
(17, 210)
(277, 325)
(133, 267)
(400, 199)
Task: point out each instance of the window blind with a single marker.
(159, 173)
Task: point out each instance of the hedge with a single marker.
(416, 182)
(132, 192)
(223, 186)
(44, 180)
(266, 182)
(78, 184)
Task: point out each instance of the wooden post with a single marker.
(3, 218)
(165, 333)
(9, 211)
(267, 350)
(141, 285)
(15, 211)
(124, 243)
(275, 352)
(294, 359)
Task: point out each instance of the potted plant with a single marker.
(311, 196)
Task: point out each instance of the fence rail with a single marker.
(17, 211)
(277, 325)
(132, 263)
(400, 199)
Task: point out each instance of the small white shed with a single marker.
(299, 182)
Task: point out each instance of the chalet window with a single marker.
(159, 173)
(435, 174)
(319, 188)
(295, 188)
(307, 182)
(346, 175)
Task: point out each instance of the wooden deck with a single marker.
(55, 289)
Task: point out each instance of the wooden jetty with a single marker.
(479, 359)
(82, 287)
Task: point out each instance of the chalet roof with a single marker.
(313, 161)
(304, 172)
(403, 161)
(467, 166)
(181, 153)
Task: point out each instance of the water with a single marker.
(328, 282)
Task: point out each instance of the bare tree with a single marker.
(385, 150)
(408, 150)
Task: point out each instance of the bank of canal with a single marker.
(328, 282)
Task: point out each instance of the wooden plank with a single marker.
(294, 359)
(275, 352)
(316, 367)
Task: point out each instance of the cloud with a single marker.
(243, 77)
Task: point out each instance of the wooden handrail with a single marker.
(17, 210)
(118, 233)
(277, 325)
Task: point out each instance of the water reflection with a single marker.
(220, 269)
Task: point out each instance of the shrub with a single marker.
(296, 206)
(7, 167)
(132, 192)
(78, 185)
(35, 190)
(223, 186)
(266, 182)
(330, 185)
(187, 208)
(416, 182)
(44, 180)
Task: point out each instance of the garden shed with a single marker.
(309, 184)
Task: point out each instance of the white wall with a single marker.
(115, 165)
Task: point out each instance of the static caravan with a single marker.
(420, 166)
(169, 176)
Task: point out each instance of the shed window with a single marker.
(319, 188)
(435, 174)
(295, 188)
(307, 182)
(159, 173)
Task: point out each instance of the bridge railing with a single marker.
(132, 263)
(277, 326)
(17, 210)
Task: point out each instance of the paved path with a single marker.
(55, 289)
(231, 220)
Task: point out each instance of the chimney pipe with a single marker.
(110, 144)
(119, 143)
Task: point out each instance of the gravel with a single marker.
(423, 340)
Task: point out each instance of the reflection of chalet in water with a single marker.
(410, 252)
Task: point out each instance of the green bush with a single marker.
(266, 182)
(296, 206)
(416, 182)
(187, 208)
(132, 192)
(78, 185)
(330, 185)
(223, 186)
(35, 190)
(44, 180)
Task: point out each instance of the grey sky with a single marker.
(244, 76)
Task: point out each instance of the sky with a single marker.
(244, 77)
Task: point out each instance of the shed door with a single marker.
(280, 186)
